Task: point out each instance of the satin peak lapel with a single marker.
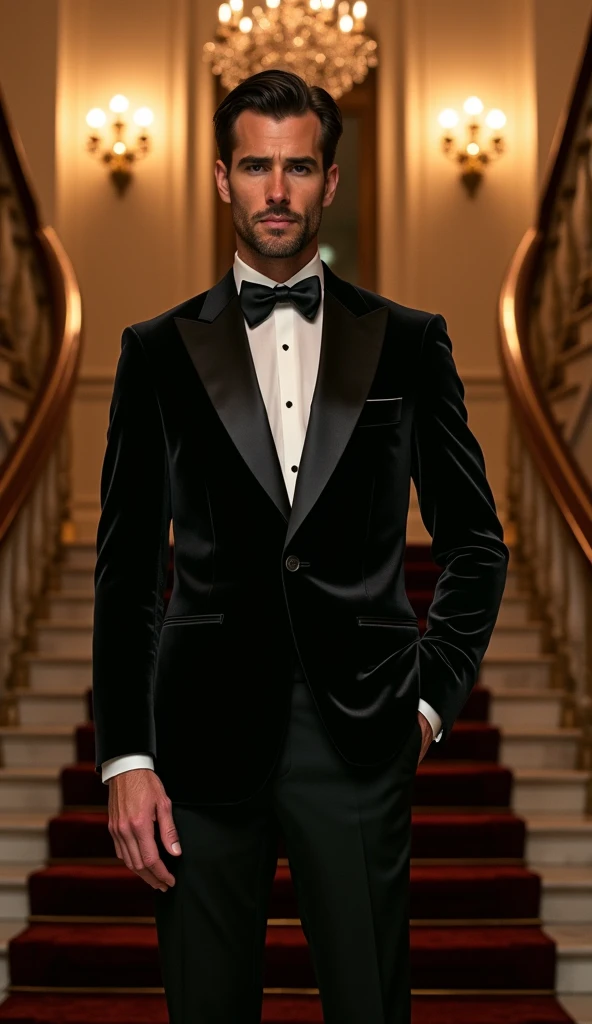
(351, 343)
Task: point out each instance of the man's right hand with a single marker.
(136, 800)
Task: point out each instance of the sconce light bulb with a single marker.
(327, 4)
(245, 24)
(119, 148)
(343, 7)
(448, 118)
(360, 9)
(495, 119)
(273, 3)
(224, 13)
(96, 118)
(143, 117)
(472, 148)
(315, 5)
(236, 5)
(346, 23)
(473, 105)
(118, 104)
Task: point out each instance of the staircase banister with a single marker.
(48, 411)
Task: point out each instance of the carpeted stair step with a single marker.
(438, 783)
(74, 834)
(27, 1008)
(485, 892)
(108, 955)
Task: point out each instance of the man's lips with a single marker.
(277, 220)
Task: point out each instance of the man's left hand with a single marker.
(427, 735)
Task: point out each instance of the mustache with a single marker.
(276, 213)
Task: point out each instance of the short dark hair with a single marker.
(279, 94)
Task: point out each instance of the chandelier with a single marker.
(320, 40)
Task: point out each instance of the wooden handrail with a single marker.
(553, 457)
(50, 406)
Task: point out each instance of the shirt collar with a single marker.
(243, 272)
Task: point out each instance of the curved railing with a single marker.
(544, 310)
(40, 346)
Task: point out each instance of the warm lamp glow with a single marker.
(143, 117)
(245, 24)
(96, 118)
(360, 9)
(273, 3)
(346, 23)
(119, 148)
(327, 4)
(236, 5)
(473, 105)
(495, 119)
(118, 104)
(224, 13)
(472, 148)
(448, 118)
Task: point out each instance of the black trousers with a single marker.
(347, 831)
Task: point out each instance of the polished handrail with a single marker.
(552, 455)
(50, 406)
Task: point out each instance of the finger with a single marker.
(151, 860)
(167, 828)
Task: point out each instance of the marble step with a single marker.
(524, 671)
(62, 706)
(513, 707)
(63, 636)
(37, 746)
(514, 610)
(23, 836)
(539, 747)
(78, 553)
(508, 639)
(560, 791)
(56, 671)
(33, 789)
(566, 894)
(71, 605)
(561, 840)
(14, 896)
(578, 1006)
(574, 957)
(78, 577)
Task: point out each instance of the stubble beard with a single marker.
(280, 243)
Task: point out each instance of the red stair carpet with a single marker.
(89, 954)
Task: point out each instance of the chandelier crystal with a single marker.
(323, 41)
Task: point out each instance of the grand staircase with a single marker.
(501, 909)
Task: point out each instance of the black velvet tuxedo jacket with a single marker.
(206, 688)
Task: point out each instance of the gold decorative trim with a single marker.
(159, 991)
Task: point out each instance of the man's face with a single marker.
(276, 186)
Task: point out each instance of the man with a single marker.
(278, 418)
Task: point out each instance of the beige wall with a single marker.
(438, 249)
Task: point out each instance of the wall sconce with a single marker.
(473, 158)
(120, 156)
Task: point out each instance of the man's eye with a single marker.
(303, 166)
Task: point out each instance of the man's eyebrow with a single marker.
(309, 160)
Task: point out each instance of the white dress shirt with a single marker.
(286, 349)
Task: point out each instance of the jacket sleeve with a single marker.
(458, 510)
(132, 548)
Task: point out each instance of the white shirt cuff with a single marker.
(124, 763)
(433, 718)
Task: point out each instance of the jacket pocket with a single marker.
(385, 620)
(377, 412)
(179, 620)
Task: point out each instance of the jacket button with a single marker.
(292, 563)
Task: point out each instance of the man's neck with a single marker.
(274, 267)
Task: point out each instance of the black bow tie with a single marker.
(258, 300)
